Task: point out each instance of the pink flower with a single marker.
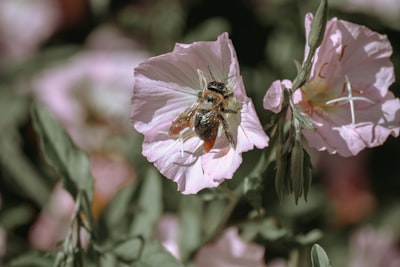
(346, 181)
(230, 250)
(166, 86)
(54, 221)
(374, 248)
(346, 96)
(25, 25)
(167, 232)
(89, 94)
(111, 173)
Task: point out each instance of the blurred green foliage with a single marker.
(268, 36)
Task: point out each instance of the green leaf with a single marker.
(191, 210)
(149, 206)
(117, 213)
(253, 190)
(304, 121)
(16, 216)
(296, 170)
(155, 255)
(283, 149)
(86, 208)
(309, 238)
(129, 249)
(298, 66)
(22, 173)
(212, 216)
(137, 252)
(271, 231)
(32, 259)
(319, 257)
(13, 108)
(307, 171)
(21, 170)
(62, 154)
(318, 26)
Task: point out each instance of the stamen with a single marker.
(349, 99)
(182, 148)
(173, 144)
(183, 136)
(163, 132)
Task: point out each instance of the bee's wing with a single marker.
(183, 121)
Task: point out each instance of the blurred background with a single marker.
(76, 58)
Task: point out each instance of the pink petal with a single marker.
(230, 250)
(273, 99)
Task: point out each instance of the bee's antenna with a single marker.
(209, 69)
(212, 76)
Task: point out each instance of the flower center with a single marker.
(317, 95)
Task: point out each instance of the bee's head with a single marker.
(218, 87)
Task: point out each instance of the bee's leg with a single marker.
(228, 95)
(227, 110)
(228, 134)
(209, 69)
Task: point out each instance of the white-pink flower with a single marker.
(54, 221)
(167, 232)
(346, 96)
(111, 173)
(89, 94)
(374, 248)
(230, 250)
(25, 25)
(166, 86)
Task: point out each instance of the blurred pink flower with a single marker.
(166, 86)
(346, 180)
(278, 262)
(25, 25)
(371, 247)
(346, 96)
(54, 221)
(111, 173)
(230, 250)
(167, 232)
(90, 94)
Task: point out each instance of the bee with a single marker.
(207, 114)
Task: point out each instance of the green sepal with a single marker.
(319, 258)
(318, 26)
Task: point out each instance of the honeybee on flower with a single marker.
(191, 107)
